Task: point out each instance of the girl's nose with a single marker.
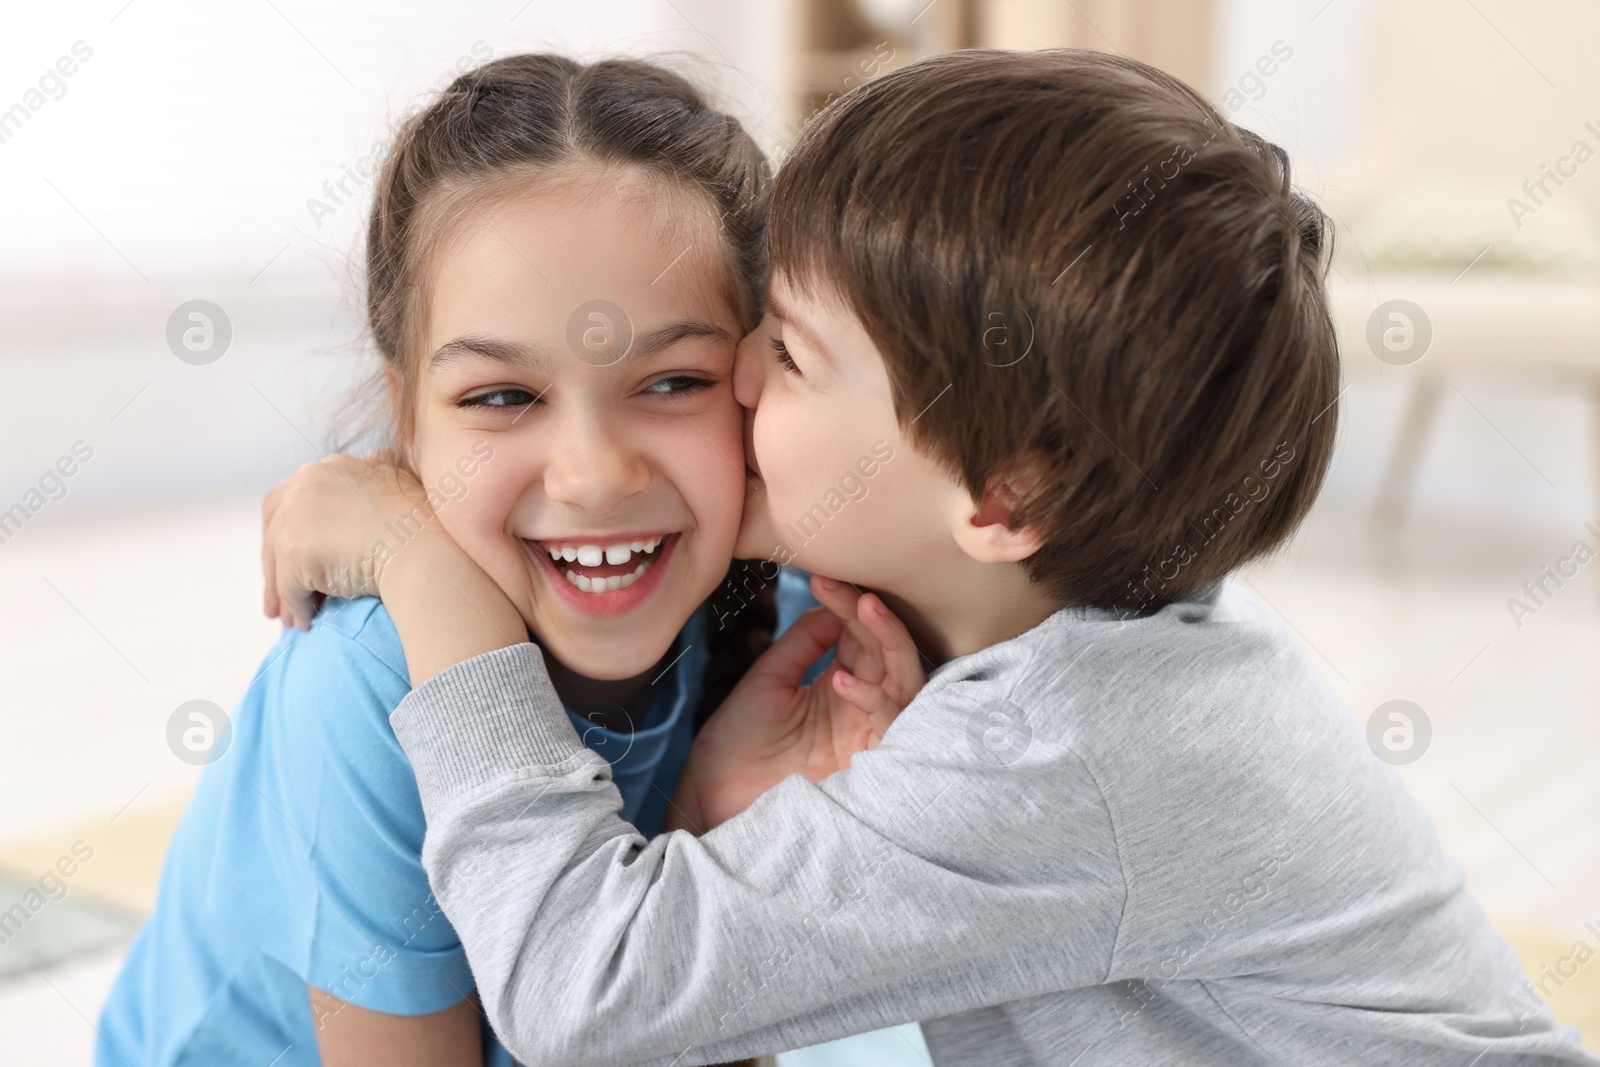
(594, 470)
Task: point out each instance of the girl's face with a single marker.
(575, 412)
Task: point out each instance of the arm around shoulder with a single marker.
(894, 891)
(444, 606)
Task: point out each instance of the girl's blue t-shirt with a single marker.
(298, 862)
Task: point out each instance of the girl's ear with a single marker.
(404, 419)
(987, 531)
(391, 380)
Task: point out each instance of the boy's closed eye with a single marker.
(785, 360)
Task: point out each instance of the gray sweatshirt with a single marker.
(1156, 841)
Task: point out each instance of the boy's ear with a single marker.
(987, 531)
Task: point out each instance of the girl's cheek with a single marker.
(731, 446)
(479, 515)
(732, 426)
(707, 467)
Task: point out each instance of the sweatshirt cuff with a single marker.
(479, 719)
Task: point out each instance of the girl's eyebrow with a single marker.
(488, 348)
(516, 352)
(664, 337)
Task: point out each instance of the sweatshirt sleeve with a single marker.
(902, 889)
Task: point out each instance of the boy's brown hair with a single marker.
(1072, 257)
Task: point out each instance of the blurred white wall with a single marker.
(196, 133)
(1313, 101)
(197, 150)
(180, 159)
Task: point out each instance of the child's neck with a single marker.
(619, 705)
(972, 606)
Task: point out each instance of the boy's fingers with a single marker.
(865, 658)
(838, 597)
(299, 604)
(269, 597)
(868, 698)
(801, 645)
(269, 509)
(849, 654)
(902, 663)
(269, 575)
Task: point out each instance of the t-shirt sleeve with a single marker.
(324, 837)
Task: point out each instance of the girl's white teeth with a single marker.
(607, 585)
(594, 555)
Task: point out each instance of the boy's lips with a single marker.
(610, 574)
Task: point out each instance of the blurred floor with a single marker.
(46, 1019)
(115, 619)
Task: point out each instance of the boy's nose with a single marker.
(749, 369)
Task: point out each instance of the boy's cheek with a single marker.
(756, 538)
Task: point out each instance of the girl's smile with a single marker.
(605, 575)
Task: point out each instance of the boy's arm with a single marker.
(924, 881)
(445, 607)
(348, 1036)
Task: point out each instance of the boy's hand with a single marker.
(771, 726)
(319, 529)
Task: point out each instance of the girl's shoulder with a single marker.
(311, 851)
(314, 760)
(359, 631)
(333, 686)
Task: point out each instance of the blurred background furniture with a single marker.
(1426, 217)
(839, 43)
(1476, 200)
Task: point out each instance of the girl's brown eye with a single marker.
(678, 385)
(499, 398)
